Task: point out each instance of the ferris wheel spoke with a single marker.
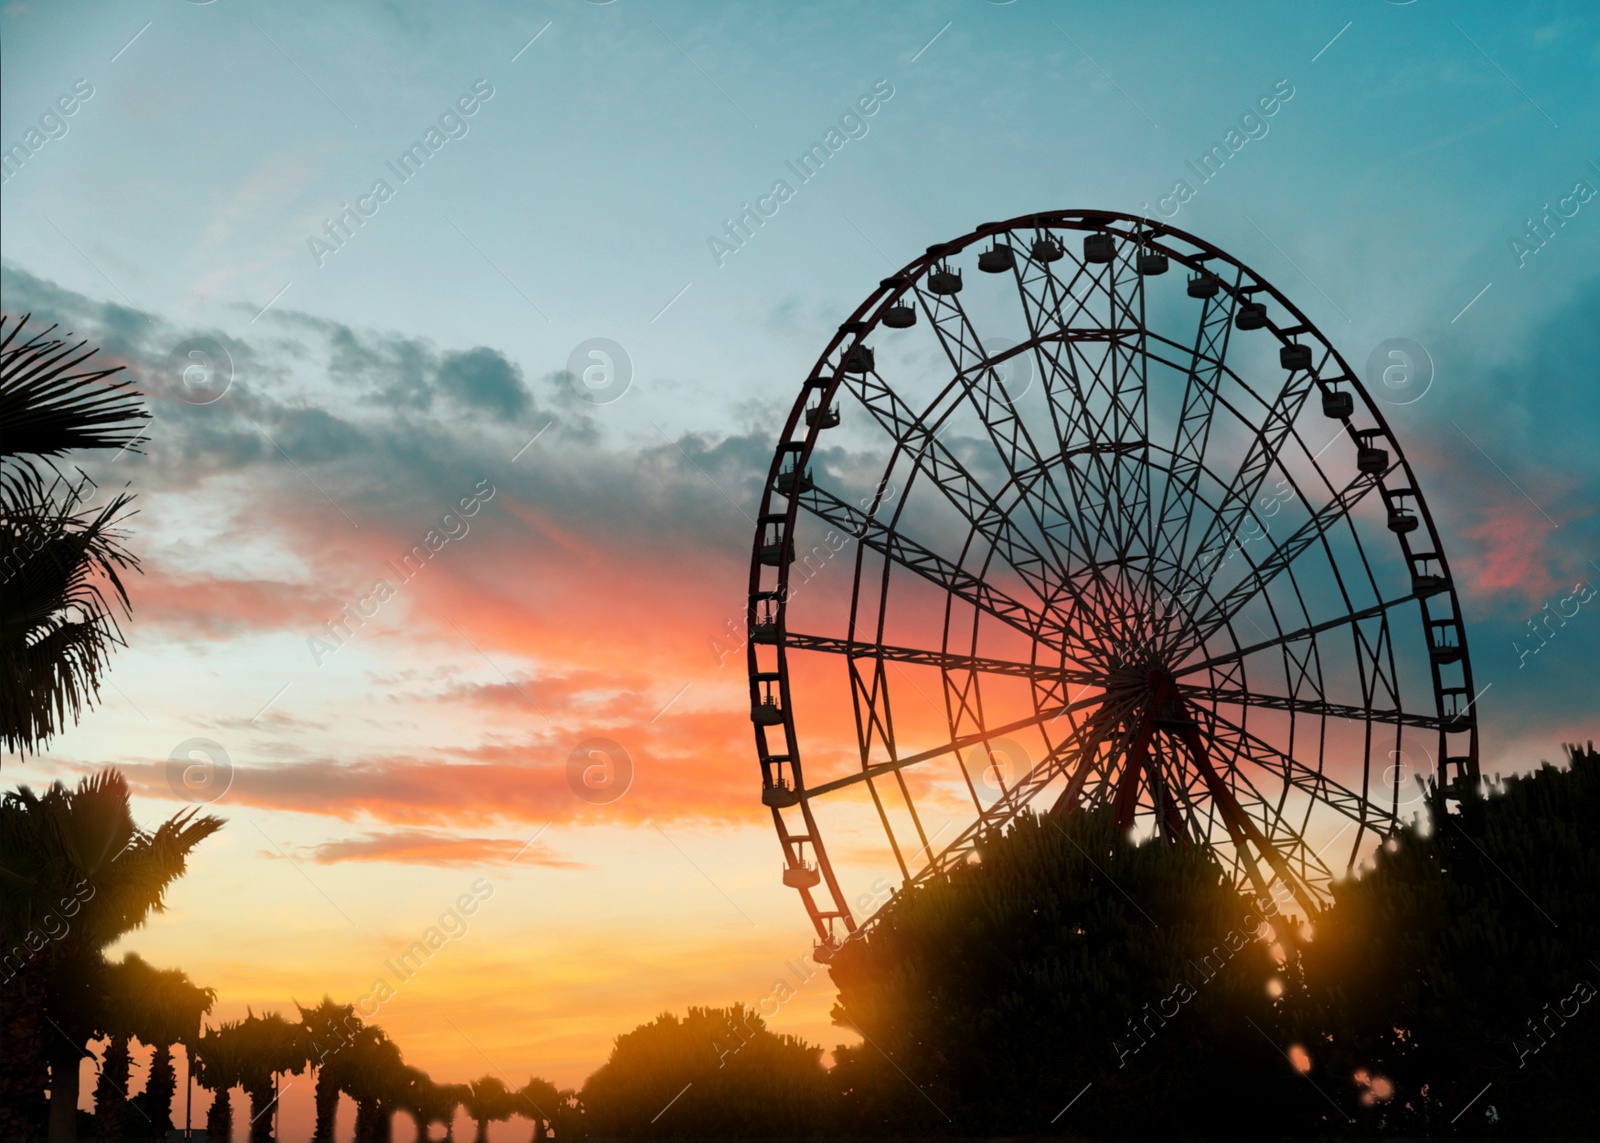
(875, 723)
(1095, 490)
(1293, 772)
(1249, 838)
(954, 746)
(1044, 626)
(1053, 333)
(1132, 403)
(1258, 577)
(1222, 530)
(1074, 756)
(916, 438)
(944, 660)
(1181, 490)
(985, 392)
(1308, 632)
(1317, 707)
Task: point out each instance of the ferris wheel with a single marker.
(1109, 523)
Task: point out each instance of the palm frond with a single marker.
(48, 406)
(60, 586)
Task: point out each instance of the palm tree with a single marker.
(540, 1100)
(128, 993)
(328, 1029)
(452, 1096)
(417, 1095)
(169, 1013)
(490, 1099)
(272, 1046)
(75, 866)
(220, 1059)
(111, 1086)
(59, 559)
(370, 1072)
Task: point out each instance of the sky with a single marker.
(365, 385)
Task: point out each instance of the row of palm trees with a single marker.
(79, 874)
(355, 1059)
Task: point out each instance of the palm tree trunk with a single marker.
(27, 1070)
(327, 1105)
(260, 1117)
(219, 1120)
(159, 1087)
(364, 1117)
(64, 1060)
(111, 1090)
(483, 1132)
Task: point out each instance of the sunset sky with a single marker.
(380, 381)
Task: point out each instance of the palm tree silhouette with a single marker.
(417, 1095)
(220, 1063)
(59, 559)
(272, 1046)
(489, 1099)
(370, 1073)
(540, 1101)
(169, 1014)
(328, 1029)
(77, 848)
(157, 1007)
(452, 1096)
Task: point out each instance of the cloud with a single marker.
(219, 608)
(483, 379)
(420, 847)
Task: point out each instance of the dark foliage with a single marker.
(60, 559)
(716, 1074)
(1067, 956)
(1465, 960)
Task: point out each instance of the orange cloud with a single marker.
(217, 608)
(420, 847)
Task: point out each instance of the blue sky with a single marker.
(578, 201)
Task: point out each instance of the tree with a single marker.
(220, 1061)
(168, 1012)
(489, 1099)
(1066, 956)
(60, 561)
(426, 1101)
(157, 1007)
(78, 874)
(371, 1072)
(452, 1096)
(328, 1028)
(540, 1101)
(271, 1046)
(717, 1073)
(1462, 961)
(111, 1086)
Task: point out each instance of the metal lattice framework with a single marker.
(1119, 537)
